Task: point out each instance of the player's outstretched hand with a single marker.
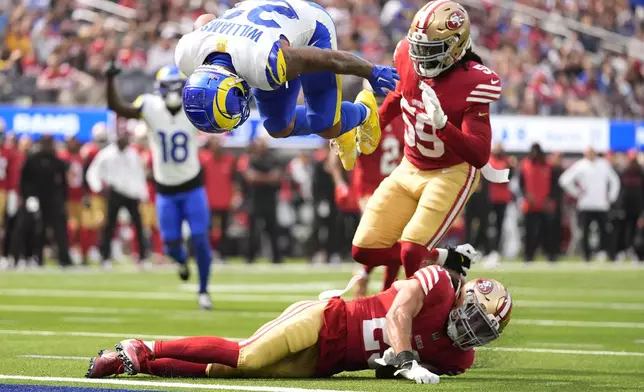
(411, 370)
(383, 78)
(111, 70)
(460, 258)
(436, 115)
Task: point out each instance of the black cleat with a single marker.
(184, 272)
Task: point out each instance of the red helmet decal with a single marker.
(484, 286)
(455, 20)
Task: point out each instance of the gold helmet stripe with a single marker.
(428, 12)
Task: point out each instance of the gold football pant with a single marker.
(415, 205)
(284, 347)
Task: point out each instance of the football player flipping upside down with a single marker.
(420, 328)
(444, 96)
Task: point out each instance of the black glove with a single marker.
(460, 258)
(111, 70)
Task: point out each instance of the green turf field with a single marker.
(574, 328)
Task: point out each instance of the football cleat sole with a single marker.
(127, 363)
(92, 362)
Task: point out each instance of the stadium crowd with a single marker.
(567, 63)
(563, 61)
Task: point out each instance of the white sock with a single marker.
(149, 344)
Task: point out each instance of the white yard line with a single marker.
(578, 324)
(579, 305)
(566, 345)
(168, 313)
(53, 357)
(565, 352)
(162, 384)
(87, 334)
(93, 320)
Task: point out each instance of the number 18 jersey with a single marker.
(173, 142)
(251, 33)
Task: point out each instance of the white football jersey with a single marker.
(173, 141)
(248, 33)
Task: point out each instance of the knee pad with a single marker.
(200, 240)
(412, 255)
(175, 250)
(276, 125)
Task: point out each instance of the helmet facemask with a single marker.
(470, 325)
(431, 58)
(170, 91)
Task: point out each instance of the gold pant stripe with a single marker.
(289, 312)
(455, 210)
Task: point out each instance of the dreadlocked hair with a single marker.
(470, 55)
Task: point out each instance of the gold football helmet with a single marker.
(438, 37)
(483, 315)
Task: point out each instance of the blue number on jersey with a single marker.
(255, 14)
(178, 146)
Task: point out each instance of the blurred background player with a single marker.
(180, 195)
(294, 42)
(118, 172)
(369, 172)
(218, 173)
(43, 179)
(77, 200)
(149, 218)
(95, 207)
(444, 97)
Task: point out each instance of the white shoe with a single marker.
(4, 263)
(493, 260)
(21, 265)
(145, 265)
(107, 265)
(601, 256)
(204, 301)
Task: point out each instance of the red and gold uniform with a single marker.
(414, 207)
(322, 338)
(372, 169)
(95, 215)
(6, 155)
(75, 191)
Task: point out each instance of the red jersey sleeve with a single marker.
(472, 141)
(431, 278)
(390, 108)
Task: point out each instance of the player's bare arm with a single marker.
(405, 307)
(114, 102)
(311, 60)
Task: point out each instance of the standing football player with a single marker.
(270, 49)
(420, 328)
(176, 168)
(444, 97)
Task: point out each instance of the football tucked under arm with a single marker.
(472, 141)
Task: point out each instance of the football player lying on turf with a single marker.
(420, 328)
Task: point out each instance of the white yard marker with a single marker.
(567, 352)
(54, 357)
(579, 324)
(162, 384)
(87, 334)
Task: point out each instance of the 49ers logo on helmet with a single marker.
(484, 286)
(455, 20)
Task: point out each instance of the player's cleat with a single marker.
(369, 132)
(107, 363)
(184, 272)
(347, 149)
(132, 353)
(204, 301)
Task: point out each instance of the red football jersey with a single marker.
(75, 174)
(6, 154)
(364, 334)
(371, 169)
(218, 178)
(465, 94)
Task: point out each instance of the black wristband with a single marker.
(404, 357)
